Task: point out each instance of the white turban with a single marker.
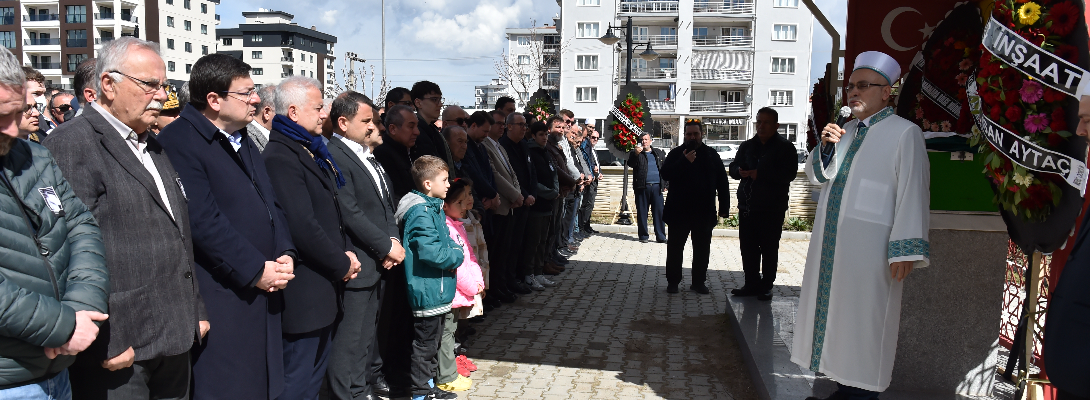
(879, 62)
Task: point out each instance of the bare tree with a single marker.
(525, 73)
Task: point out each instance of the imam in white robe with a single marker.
(873, 211)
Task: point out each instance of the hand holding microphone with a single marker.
(832, 132)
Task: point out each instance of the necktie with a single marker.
(381, 179)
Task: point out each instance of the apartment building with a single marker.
(533, 62)
(485, 96)
(277, 48)
(719, 61)
(186, 33)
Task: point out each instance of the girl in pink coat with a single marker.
(470, 284)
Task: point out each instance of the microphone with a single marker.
(845, 111)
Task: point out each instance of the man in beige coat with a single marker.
(507, 185)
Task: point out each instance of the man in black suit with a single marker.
(368, 212)
(306, 179)
(695, 174)
(125, 178)
(518, 260)
(240, 235)
(428, 100)
(395, 151)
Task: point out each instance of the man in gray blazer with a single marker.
(259, 128)
(124, 177)
(367, 210)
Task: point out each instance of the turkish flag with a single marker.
(895, 27)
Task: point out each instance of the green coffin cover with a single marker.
(959, 185)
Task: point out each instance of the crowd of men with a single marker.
(228, 241)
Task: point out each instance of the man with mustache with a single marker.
(124, 177)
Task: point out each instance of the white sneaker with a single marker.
(530, 280)
(544, 281)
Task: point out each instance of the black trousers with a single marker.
(759, 241)
(354, 344)
(650, 198)
(537, 228)
(395, 329)
(306, 358)
(675, 250)
(517, 258)
(588, 205)
(854, 393)
(426, 334)
(499, 250)
(164, 378)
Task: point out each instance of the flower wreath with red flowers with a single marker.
(623, 138)
(959, 52)
(540, 108)
(1026, 107)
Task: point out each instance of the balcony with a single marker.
(722, 75)
(724, 7)
(286, 74)
(130, 18)
(717, 107)
(660, 106)
(649, 73)
(76, 42)
(656, 40)
(104, 40)
(41, 17)
(42, 42)
(723, 41)
(287, 59)
(104, 16)
(40, 65)
(648, 7)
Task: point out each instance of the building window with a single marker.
(255, 38)
(170, 66)
(257, 71)
(590, 2)
(7, 15)
(170, 44)
(171, 2)
(204, 29)
(785, 32)
(523, 40)
(733, 96)
(587, 94)
(724, 132)
(187, 7)
(75, 14)
(586, 62)
(77, 38)
(256, 55)
(204, 50)
(789, 132)
(524, 60)
(8, 39)
(781, 98)
(787, 3)
(188, 25)
(188, 67)
(227, 41)
(587, 30)
(170, 22)
(74, 60)
(783, 65)
(311, 74)
(204, 9)
(311, 58)
(188, 47)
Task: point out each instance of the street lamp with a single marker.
(623, 216)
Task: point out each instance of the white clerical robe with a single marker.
(873, 211)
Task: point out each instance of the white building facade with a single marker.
(533, 62)
(277, 48)
(187, 31)
(718, 61)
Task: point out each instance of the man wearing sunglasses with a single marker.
(60, 108)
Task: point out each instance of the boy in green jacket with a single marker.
(431, 258)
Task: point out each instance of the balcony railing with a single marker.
(104, 40)
(660, 105)
(727, 41)
(721, 107)
(724, 7)
(722, 75)
(41, 65)
(287, 59)
(104, 16)
(131, 18)
(648, 7)
(551, 83)
(42, 42)
(649, 73)
(286, 74)
(41, 17)
(656, 40)
(76, 42)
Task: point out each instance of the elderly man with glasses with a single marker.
(124, 176)
(591, 191)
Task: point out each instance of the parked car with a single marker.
(726, 152)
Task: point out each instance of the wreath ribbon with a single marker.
(1029, 58)
(626, 121)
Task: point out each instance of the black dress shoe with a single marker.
(746, 291)
(503, 295)
(437, 393)
(519, 288)
(661, 241)
(700, 289)
(766, 296)
(671, 288)
(643, 240)
(560, 260)
(381, 388)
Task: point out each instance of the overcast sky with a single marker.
(453, 43)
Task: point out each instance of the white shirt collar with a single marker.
(870, 119)
(362, 151)
(124, 130)
(264, 132)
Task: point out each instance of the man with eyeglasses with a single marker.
(127, 180)
(428, 100)
(870, 232)
(35, 94)
(30, 121)
(60, 108)
(243, 249)
(591, 191)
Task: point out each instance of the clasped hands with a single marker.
(277, 274)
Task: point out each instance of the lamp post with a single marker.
(623, 216)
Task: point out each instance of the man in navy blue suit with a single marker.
(240, 235)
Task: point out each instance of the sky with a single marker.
(454, 43)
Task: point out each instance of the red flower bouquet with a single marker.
(623, 138)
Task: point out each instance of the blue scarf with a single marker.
(313, 143)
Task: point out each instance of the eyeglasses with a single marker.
(149, 87)
(861, 86)
(30, 110)
(436, 99)
(402, 103)
(62, 108)
(569, 122)
(249, 95)
(459, 121)
(594, 138)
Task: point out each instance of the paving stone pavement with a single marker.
(577, 340)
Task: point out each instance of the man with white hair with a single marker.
(125, 178)
(261, 126)
(870, 232)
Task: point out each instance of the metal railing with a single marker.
(724, 7)
(104, 16)
(717, 107)
(42, 42)
(41, 17)
(656, 40)
(286, 74)
(41, 65)
(647, 7)
(722, 74)
(660, 105)
(104, 40)
(648, 73)
(727, 41)
(550, 83)
(76, 42)
(131, 18)
(287, 59)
